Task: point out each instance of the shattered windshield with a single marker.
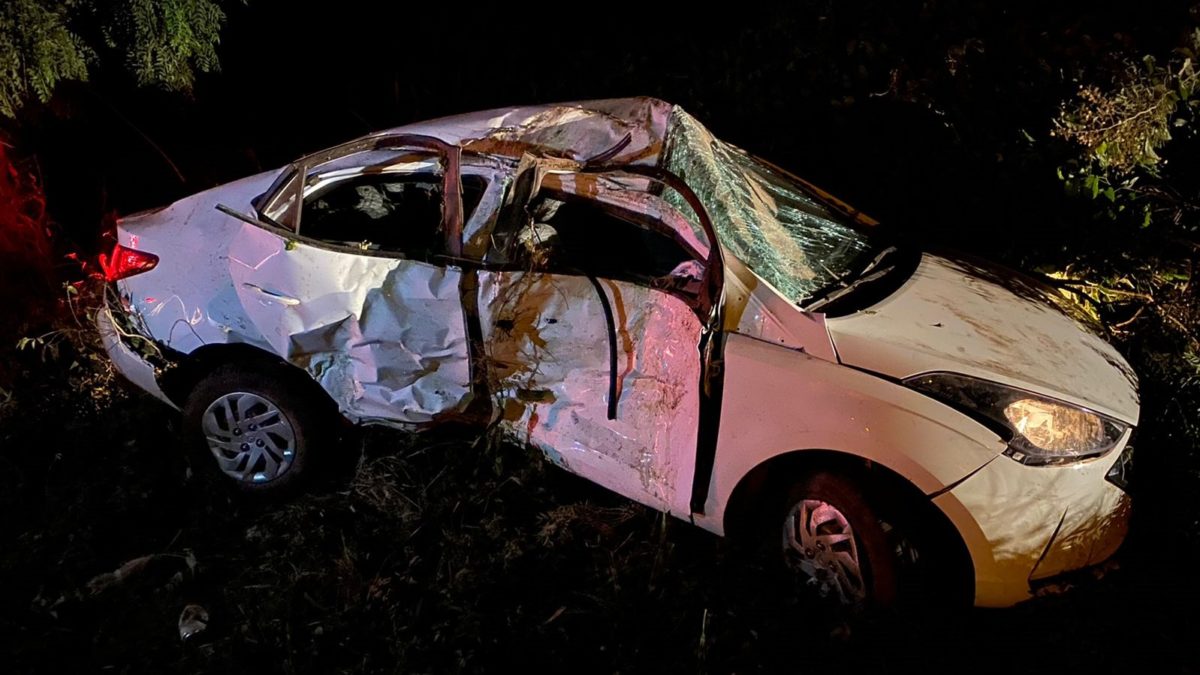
(774, 225)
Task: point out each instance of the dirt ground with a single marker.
(444, 555)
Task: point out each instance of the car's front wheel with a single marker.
(836, 543)
(260, 429)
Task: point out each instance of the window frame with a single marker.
(708, 304)
(286, 185)
(332, 179)
(618, 212)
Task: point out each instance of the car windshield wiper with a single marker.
(873, 271)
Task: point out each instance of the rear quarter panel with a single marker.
(188, 300)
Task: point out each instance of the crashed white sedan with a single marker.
(657, 311)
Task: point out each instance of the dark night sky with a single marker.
(800, 86)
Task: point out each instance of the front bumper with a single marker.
(1023, 524)
(130, 364)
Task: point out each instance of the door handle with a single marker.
(274, 295)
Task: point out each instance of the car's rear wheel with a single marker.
(836, 543)
(259, 427)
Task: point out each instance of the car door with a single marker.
(359, 296)
(592, 337)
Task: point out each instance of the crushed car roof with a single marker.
(578, 130)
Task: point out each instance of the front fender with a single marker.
(778, 400)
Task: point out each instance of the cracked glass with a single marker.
(769, 221)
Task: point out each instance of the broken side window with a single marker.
(575, 235)
(386, 212)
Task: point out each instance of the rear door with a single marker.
(360, 296)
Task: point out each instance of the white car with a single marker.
(657, 311)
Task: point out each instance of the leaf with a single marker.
(1059, 171)
(1151, 156)
(1111, 194)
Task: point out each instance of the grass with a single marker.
(445, 554)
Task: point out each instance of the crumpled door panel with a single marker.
(546, 342)
(385, 337)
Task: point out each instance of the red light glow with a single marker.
(126, 262)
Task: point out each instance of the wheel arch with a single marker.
(189, 369)
(758, 489)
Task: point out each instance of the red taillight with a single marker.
(126, 262)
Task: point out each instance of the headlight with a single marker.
(1042, 430)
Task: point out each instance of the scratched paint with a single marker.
(1040, 521)
(946, 319)
(546, 339)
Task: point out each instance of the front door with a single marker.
(592, 341)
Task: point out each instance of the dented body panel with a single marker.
(129, 363)
(342, 318)
(348, 321)
(755, 309)
(545, 337)
(576, 131)
(669, 384)
(1033, 523)
(194, 302)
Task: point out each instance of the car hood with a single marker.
(965, 317)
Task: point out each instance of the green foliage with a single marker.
(166, 41)
(160, 42)
(1121, 130)
(37, 51)
(1119, 135)
(46, 345)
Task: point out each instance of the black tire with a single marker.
(298, 399)
(878, 563)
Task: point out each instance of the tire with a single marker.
(259, 428)
(856, 572)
